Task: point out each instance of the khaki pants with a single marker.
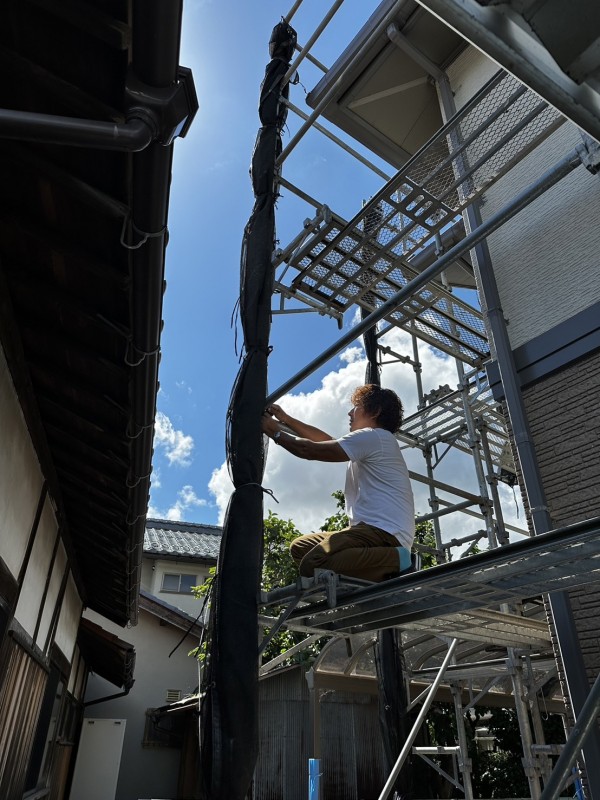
(361, 551)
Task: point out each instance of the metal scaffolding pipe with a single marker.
(332, 89)
(551, 177)
(585, 724)
(442, 512)
(304, 50)
(418, 722)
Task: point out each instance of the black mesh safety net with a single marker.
(229, 712)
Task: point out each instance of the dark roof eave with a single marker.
(156, 39)
(165, 611)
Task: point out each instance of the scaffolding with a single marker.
(406, 260)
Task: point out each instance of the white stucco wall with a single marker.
(147, 578)
(146, 772)
(58, 571)
(20, 476)
(31, 595)
(68, 621)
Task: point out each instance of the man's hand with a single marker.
(321, 450)
(269, 425)
(299, 428)
(277, 412)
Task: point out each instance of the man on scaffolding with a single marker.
(379, 498)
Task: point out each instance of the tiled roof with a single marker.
(186, 539)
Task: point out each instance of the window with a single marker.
(181, 584)
(163, 729)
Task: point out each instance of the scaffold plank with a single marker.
(555, 561)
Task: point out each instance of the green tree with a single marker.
(425, 537)
(279, 569)
(338, 520)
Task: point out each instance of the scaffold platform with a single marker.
(460, 599)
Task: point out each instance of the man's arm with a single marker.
(298, 427)
(328, 450)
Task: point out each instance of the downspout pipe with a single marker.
(549, 178)
(130, 136)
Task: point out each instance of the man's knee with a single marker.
(314, 559)
(298, 549)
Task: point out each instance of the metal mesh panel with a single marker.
(444, 421)
(342, 268)
(367, 260)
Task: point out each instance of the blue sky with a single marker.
(225, 42)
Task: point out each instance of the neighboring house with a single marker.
(82, 246)
(176, 556)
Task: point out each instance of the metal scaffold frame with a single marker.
(391, 260)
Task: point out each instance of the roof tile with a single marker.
(165, 537)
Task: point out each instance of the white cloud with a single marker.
(176, 444)
(155, 481)
(153, 512)
(186, 499)
(184, 386)
(303, 488)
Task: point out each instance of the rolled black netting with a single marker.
(229, 715)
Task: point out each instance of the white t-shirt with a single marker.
(378, 490)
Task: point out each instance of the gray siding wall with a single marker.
(563, 412)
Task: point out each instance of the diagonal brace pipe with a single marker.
(585, 723)
(418, 722)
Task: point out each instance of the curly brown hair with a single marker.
(383, 404)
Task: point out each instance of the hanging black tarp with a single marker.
(229, 714)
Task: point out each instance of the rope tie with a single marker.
(260, 486)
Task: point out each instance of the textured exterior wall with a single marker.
(563, 412)
(468, 73)
(20, 476)
(546, 258)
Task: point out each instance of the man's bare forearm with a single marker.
(327, 450)
(298, 427)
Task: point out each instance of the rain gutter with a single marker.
(156, 38)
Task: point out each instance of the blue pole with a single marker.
(314, 775)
